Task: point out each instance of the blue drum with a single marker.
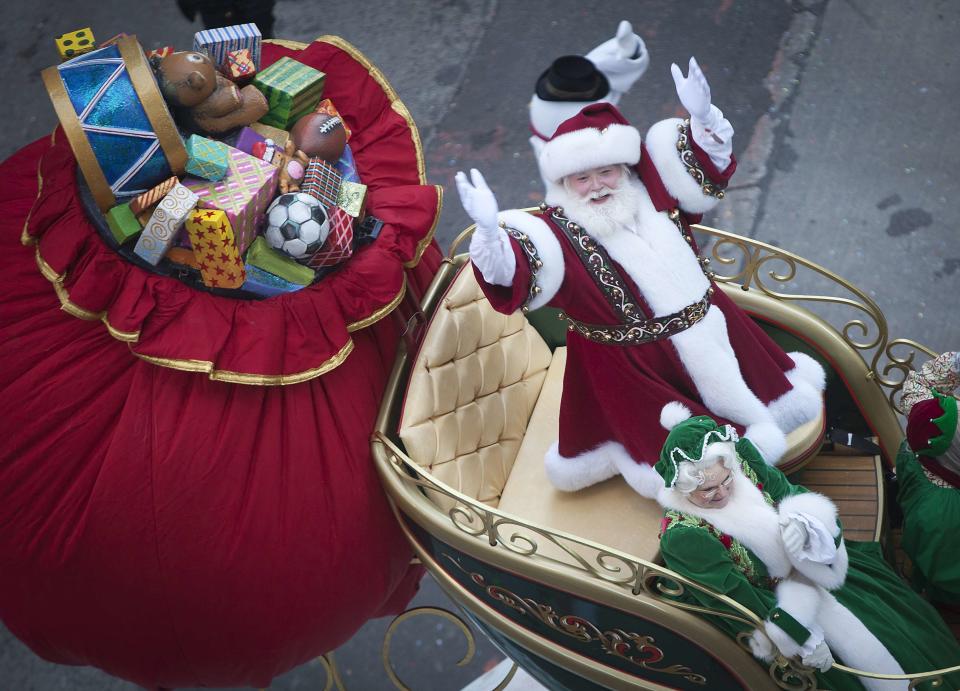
(116, 120)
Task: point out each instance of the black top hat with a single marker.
(572, 78)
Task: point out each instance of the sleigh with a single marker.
(571, 585)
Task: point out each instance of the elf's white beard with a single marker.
(602, 220)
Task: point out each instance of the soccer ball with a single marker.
(297, 225)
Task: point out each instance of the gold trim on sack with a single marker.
(689, 159)
(382, 312)
(428, 238)
(154, 105)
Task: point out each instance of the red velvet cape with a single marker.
(168, 526)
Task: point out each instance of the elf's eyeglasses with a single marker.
(712, 492)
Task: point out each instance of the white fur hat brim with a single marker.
(581, 150)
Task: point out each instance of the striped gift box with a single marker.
(292, 90)
(218, 42)
(244, 194)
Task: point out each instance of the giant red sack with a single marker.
(157, 519)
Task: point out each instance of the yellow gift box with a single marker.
(215, 249)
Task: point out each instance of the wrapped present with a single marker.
(347, 167)
(262, 256)
(266, 284)
(160, 52)
(292, 90)
(170, 214)
(322, 181)
(144, 201)
(239, 65)
(352, 198)
(123, 223)
(279, 136)
(215, 249)
(246, 139)
(244, 194)
(206, 158)
(218, 42)
(116, 120)
(113, 39)
(339, 244)
(74, 43)
(327, 108)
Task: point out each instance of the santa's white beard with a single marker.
(601, 220)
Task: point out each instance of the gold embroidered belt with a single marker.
(645, 331)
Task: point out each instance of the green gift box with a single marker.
(206, 158)
(292, 90)
(122, 222)
(262, 256)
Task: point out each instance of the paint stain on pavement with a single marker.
(908, 221)
(949, 268)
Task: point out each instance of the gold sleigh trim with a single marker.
(188, 365)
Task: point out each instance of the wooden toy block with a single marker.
(74, 43)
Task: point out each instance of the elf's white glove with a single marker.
(761, 646)
(821, 658)
(623, 59)
(711, 131)
(490, 247)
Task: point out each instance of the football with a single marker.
(297, 225)
(319, 135)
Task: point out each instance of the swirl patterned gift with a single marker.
(185, 488)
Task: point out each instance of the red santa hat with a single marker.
(597, 136)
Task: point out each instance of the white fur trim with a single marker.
(589, 468)
(801, 601)
(769, 440)
(662, 146)
(642, 477)
(588, 148)
(761, 646)
(856, 646)
(673, 413)
(550, 275)
(807, 369)
(819, 507)
(801, 404)
(547, 116)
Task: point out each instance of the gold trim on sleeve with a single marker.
(426, 239)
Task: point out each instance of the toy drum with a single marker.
(116, 120)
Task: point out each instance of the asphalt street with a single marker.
(844, 113)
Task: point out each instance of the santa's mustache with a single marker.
(602, 192)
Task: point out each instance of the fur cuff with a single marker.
(549, 276)
(799, 604)
(589, 468)
(768, 439)
(662, 146)
(807, 369)
(796, 407)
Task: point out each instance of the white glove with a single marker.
(794, 535)
(490, 247)
(761, 646)
(821, 658)
(478, 201)
(693, 91)
(623, 59)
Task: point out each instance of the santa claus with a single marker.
(612, 248)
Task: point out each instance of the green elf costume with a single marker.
(778, 549)
(928, 476)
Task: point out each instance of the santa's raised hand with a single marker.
(478, 201)
(693, 90)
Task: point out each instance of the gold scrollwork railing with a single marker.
(608, 566)
(752, 264)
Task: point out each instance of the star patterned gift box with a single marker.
(215, 249)
(244, 194)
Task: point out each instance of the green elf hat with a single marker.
(932, 424)
(688, 439)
